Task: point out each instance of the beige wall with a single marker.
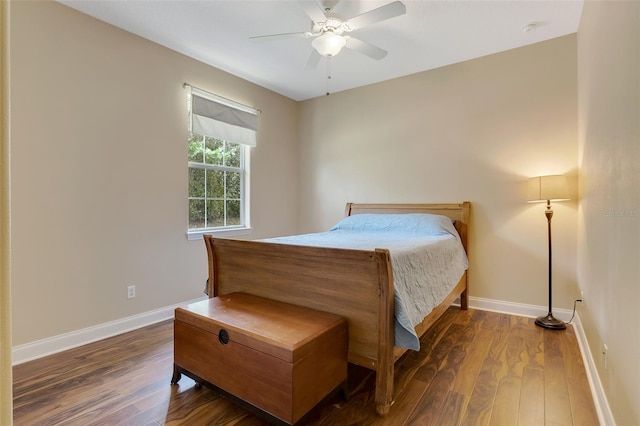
(99, 179)
(5, 286)
(609, 214)
(472, 131)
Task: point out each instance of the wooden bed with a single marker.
(356, 284)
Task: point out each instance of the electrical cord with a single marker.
(574, 310)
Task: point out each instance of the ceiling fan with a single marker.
(329, 30)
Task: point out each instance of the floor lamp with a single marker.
(549, 188)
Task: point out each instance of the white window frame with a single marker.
(245, 225)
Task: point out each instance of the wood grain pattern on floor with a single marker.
(474, 368)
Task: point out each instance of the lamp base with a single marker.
(550, 322)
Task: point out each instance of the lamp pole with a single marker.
(549, 321)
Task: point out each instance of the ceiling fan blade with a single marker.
(312, 62)
(281, 36)
(365, 48)
(313, 10)
(387, 11)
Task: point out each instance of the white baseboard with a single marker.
(51, 345)
(605, 416)
(521, 309)
(73, 339)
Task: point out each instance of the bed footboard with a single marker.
(355, 284)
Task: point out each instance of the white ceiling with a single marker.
(431, 34)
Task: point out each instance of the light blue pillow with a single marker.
(415, 223)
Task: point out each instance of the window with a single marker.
(216, 181)
(220, 134)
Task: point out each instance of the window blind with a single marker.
(221, 118)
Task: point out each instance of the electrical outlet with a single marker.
(131, 292)
(582, 296)
(605, 353)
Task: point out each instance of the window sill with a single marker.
(197, 235)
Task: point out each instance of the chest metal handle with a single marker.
(223, 336)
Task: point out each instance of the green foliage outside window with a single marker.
(215, 183)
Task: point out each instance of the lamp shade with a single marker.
(329, 43)
(548, 188)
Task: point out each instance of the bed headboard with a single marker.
(459, 212)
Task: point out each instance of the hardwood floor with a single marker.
(475, 368)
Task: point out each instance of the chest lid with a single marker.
(283, 330)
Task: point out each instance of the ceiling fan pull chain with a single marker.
(328, 73)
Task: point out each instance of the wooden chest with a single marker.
(281, 358)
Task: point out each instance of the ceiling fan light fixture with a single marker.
(329, 43)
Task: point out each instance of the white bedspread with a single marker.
(425, 267)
